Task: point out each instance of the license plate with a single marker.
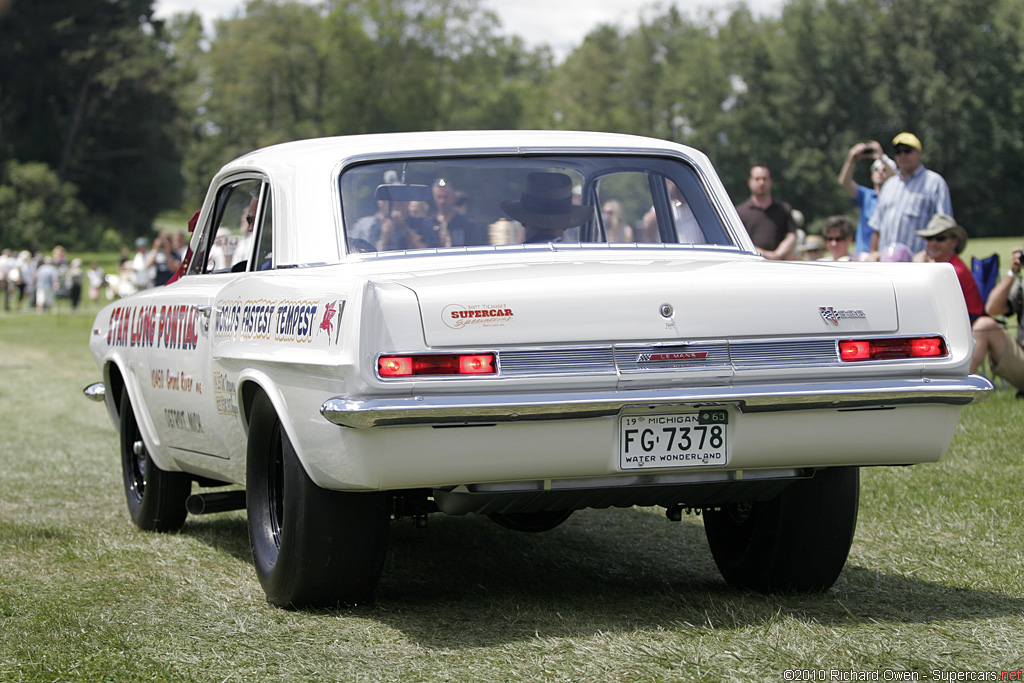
(694, 439)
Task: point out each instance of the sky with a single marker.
(561, 24)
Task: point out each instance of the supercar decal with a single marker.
(457, 316)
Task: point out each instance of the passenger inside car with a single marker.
(546, 208)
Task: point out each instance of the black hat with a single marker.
(546, 203)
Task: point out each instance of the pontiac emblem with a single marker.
(833, 315)
(672, 357)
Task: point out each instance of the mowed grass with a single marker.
(935, 580)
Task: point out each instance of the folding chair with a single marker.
(986, 275)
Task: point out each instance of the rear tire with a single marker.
(156, 498)
(311, 547)
(796, 542)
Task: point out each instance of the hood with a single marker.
(586, 302)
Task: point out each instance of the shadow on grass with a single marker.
(465, 582)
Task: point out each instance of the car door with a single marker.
(195, 413)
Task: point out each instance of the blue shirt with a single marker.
(906, 206)
(866, 200)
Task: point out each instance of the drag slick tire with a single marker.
(795, 542)
(156, 498)
(311, 547)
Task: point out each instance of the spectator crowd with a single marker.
(35, 280)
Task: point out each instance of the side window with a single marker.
(625, 199)
(228, 241)
(265, 235)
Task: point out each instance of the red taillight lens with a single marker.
(478, 364)
(437, 364)
(891, 349)
(855, 350)
(394, 366)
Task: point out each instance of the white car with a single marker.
(385, 326)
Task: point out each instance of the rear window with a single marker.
(548, 200)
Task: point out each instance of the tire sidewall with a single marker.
(331, 545)
(161, 504)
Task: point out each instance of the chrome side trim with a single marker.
(95, 392)
(456, 410)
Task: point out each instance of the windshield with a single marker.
(490, 201)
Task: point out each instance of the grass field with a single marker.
(934, 584)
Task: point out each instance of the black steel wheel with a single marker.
(795, 542)
(156, 498)
(311, 547)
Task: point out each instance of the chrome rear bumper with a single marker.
(456, 410)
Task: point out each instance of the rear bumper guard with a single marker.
(470, 410)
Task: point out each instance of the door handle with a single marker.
(205, 311)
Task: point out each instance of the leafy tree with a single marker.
(38, 211)
(86, 91)
(953, 79)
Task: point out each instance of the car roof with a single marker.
(332, 150)
(304, 172)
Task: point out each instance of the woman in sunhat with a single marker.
(944, 240)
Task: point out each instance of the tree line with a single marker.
(109, 116)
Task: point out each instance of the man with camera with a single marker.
(866, 198)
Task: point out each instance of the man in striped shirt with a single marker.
(907, 201)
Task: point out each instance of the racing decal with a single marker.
(167, 327)
(184, 420)
(457, 316)
(833, 315)
(172, 380)
(327, 323)
(224, 390)
(294, 321)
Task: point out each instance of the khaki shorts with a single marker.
(1011, 365)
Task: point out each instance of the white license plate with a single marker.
(693, 439)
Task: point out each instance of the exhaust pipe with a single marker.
(219, 501)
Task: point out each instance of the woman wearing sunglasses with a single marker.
(944, 240)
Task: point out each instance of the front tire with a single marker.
(796, 542)
(156, 498)
(311, 547)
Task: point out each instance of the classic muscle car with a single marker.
(384, 326)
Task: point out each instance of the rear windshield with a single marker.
(548, 200)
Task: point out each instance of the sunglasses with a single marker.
(936, 238)
(904, 149)
(250, 219)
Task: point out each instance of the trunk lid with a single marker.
(583, 302)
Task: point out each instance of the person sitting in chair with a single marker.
(1004, 350)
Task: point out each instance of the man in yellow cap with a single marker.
(907, 201)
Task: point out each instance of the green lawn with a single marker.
(934, 582)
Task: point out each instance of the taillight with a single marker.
(852, 350)
(437, 364)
